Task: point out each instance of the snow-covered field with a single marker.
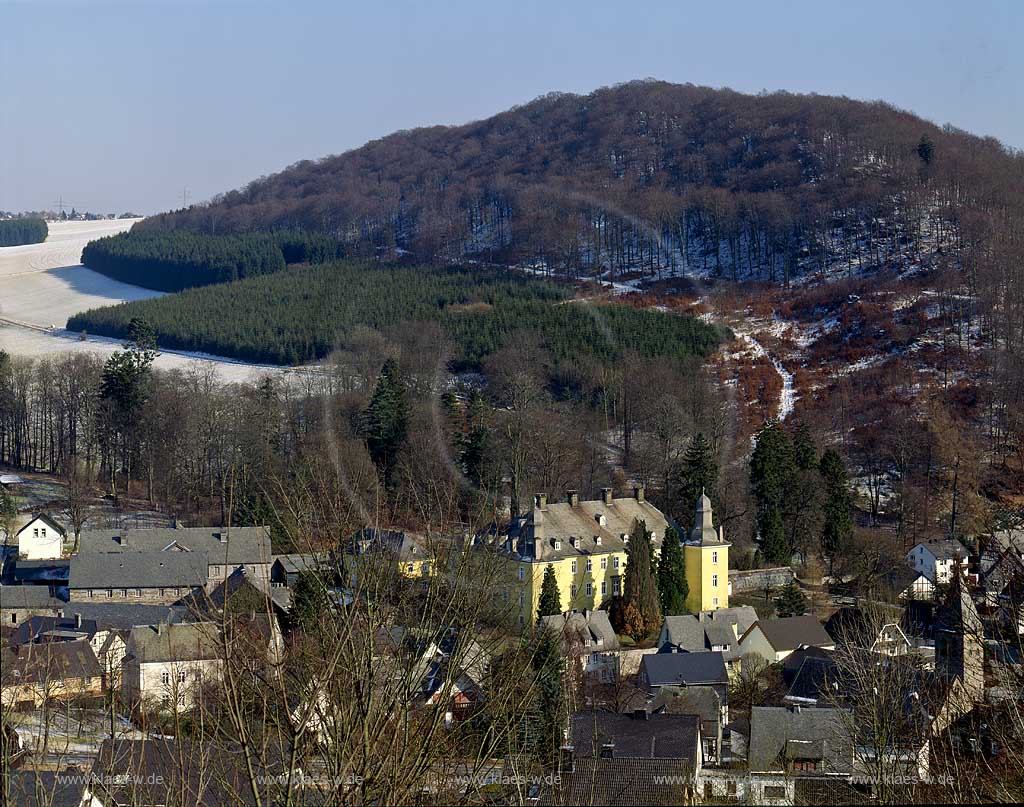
(41, 285)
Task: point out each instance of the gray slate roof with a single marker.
(791, 632)
(673, 669)
(710, 629)
(617, 782)
(663, 736)
(780, 733)
(561, 522)
(123, 616)
(223, 545)
(405, 546)
(48, 661)
(46, 788)
(139, 570)
(593, 625)
(297, 563)
(29, 597)
(180, 642)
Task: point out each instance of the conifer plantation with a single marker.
(300, 315)
(17, 232)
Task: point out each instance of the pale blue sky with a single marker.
(119, 106)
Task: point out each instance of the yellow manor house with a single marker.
(585, 542)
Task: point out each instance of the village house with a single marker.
(583, 541)
(166, 666)
(588, 637)
(55, 629)
(408, 552)
(34, 673)
(718, 630)
(627, 759)
(137, 577)
(852, 627)
(789, 747)
(690, 670)
(936, 560)
(705, 703)
(18, 603)
(41, 538)
(610, 735)
(224, 549)
(286, 569)
(774, 639)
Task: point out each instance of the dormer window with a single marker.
(597, 540)
(601, 519)
(575, 543)
(558, 544)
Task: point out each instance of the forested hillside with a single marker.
(301, 315)
(16, 232)
(653, 178)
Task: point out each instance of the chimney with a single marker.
(541, 501)
(178, 525)
(223, 536)
(638, 493)
(606, 495)
(573, 497)
(122, 539)
(159, 628)
(78, 620)
(538, 544)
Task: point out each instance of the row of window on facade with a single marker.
(131, 592)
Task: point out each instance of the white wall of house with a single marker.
(38, 540)
(938, 571)
(167, 683)
(757, 644)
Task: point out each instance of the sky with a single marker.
(119, 107)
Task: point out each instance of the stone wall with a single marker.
(759, 579)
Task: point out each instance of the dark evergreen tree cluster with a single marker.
(800, 498)
(181, 260)
(299, 246)
(385, 422)
(16, 232)
(640, 587)
(299, 315)
(672, 586)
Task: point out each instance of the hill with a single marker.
(649, 179)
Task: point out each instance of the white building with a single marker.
(937, 559)
(165, 666)
(41, 539)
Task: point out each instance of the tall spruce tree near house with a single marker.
(672, 586)
(385, 421)
(550, 598)
(774, 548)
(698, 473)
(640, 588)
(772, 469)
(791, 601)
(544, 725)
(838, 522)
(124, 389)
(803, 500)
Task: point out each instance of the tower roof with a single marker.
(704, 532)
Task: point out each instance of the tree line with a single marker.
(16, 232)
(301, 315)
(173, 261)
